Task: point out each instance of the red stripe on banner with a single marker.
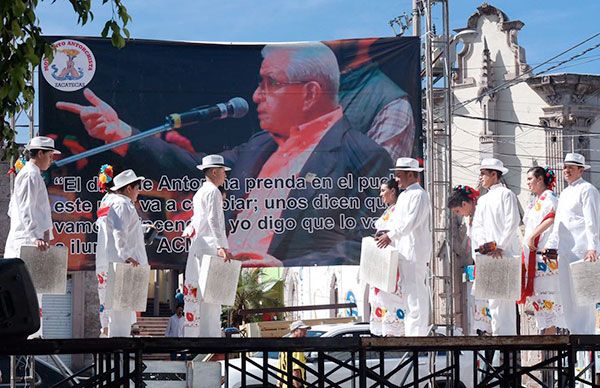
(103, 211)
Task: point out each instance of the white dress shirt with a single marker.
(175, 326)
(577, 221)
(208, 219)
(120, 232)
(410, 229)
(497, 219)
(575, 231)
(29, 211)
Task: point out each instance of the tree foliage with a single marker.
(253, 292)
(22, 48)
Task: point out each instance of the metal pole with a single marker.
(30, 380)
(430, 162)
(449, 263)
(416, 17)
(13, 371)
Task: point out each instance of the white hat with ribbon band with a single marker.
(125, 178)
(493, 164)
(42, 143)
(575, 159)
(407, 164)
(210, 161)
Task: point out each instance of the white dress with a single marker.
(387, 309)
(208, 223)
(547, 306)
(576, 230)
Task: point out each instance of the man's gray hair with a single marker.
(310, 61)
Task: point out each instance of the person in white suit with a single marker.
(410, 233)
(576, 236)
(207, 232)
(497, 220)
(121, 240)
(29, 207)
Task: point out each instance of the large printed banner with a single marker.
(326, 121)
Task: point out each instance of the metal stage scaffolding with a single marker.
(339, 362)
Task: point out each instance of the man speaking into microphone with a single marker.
(303, 135)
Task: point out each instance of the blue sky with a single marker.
(550, 26)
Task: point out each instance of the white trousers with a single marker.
(201, 319)
(504, 317)
(580, 319)
(416, 293)
(119, 323)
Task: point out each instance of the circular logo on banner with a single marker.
(72, 68)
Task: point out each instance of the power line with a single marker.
(502, 121)
(523, 124)
(520, 78)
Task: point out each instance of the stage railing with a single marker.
(344, 362)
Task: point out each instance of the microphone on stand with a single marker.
(236, 107)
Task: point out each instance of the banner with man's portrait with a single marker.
(324, 124)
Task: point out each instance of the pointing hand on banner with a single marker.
(99, 119)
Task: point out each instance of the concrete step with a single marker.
(152, 326)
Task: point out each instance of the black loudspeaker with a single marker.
(19, 310)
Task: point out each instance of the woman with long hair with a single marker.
(463, 202)
(387, 309)
(541, 285)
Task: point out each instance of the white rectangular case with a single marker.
(584, 278)
(219, 279)
(497, 278)
(379, 267)
(127, 287)
(48, 269)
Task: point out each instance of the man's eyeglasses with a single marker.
(269, 84)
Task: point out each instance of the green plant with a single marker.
(254, 291)
(22, 47)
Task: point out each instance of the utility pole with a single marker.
(436, 80)
(437, 115)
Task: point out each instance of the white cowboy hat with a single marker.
(407, 164)
(298, 325)
(575, 159)
(42, 143)
(493, 164)
(125, 178)
(212, 161)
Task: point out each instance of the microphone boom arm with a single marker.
(109, 146)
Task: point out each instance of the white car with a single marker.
(336, 374)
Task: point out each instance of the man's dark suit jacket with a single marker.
(340, 152)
